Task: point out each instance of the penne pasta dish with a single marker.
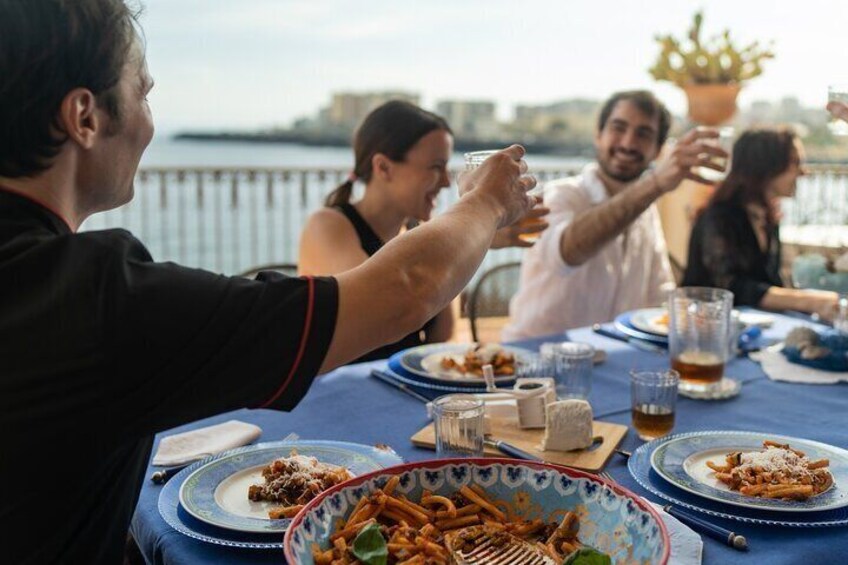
(778, 471)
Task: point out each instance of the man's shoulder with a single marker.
(118, 242)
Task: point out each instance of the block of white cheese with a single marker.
(568, 425)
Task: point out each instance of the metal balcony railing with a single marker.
(230, 219)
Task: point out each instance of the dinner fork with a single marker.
(482, 545)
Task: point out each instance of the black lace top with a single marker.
(371, 243)
(724, 253)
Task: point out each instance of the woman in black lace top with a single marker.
(735, 243)
(402, 154)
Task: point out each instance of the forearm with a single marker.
(599, 225)
(778, 298)
(411, 279)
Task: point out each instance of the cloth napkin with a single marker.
(686, 545)
(779, 368)
(183, 448)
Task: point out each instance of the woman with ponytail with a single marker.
(735, 243)
(401, 155)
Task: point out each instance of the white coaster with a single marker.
(725, 388)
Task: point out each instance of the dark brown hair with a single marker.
(391, 129)
(647, 103)
(47, 49)
(759, 155)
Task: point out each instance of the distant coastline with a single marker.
(576, 149)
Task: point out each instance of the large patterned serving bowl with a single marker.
(612, 519)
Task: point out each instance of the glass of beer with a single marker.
(476, 158)
(653, 397)
(698, 334)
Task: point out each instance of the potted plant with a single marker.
(711, 73)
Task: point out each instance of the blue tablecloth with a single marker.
(349, 405)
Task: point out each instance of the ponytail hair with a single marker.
(391, 129)
(340, 195)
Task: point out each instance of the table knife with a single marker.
(637, 343)
(511, 450)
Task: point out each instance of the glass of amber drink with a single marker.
(698, 333)
(476, 158)
(653, 396)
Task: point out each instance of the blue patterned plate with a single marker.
(215, 492)
(639, 466)
(612, 519)
(682, 460)
(424, 360)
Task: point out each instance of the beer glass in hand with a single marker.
(699, 331)
(474, 159)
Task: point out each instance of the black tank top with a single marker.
(371, 243)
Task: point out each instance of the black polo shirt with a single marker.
(100, 348)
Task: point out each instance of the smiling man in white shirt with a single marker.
(605, 252)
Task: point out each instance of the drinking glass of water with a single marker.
(837, 93)
(458, 420)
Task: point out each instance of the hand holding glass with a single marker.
(476, 158)
(837, 93)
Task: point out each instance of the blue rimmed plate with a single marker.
(640, 468)
(650, 320)
(424, 361)
(215, 491)
(624, 324)
(682, 461)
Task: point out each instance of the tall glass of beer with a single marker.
(698, 333)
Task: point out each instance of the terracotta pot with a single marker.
(711, 104)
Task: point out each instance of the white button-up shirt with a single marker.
(631, 271)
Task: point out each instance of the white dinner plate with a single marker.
(650, 320)
(426, 361)
(681, 460)
(216, 491)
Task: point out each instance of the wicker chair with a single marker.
(492, 293)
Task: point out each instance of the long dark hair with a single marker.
(759, 155)
(391, 129)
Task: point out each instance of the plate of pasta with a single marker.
(259, 488)
(755, 470)
(463, 362)
(439, 511)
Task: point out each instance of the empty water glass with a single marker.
(724, 140)
(573, 369)
(458, 420)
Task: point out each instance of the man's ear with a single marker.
(381, 166)
(79, 117)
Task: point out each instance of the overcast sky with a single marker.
(259, 63)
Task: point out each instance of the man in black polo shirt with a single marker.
(100, 347)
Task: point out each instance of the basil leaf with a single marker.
(587, 556)
(370, 546)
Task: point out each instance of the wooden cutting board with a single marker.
(607, 438)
